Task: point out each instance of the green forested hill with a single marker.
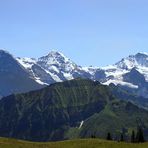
(55, 113)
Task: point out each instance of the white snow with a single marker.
(144, 71)
(55, 77)
(54, 68)
(63, 64)
(116, 82)
(26, 62)
(109, 67)
(66, 59)
(145, 53)
(91, 70)
(55, 63)
(39, 81)
(68, 76)
(81, 124)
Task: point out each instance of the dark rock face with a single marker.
(13, 77)
(134, 77)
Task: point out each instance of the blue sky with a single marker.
(90, 32)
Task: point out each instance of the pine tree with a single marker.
(93, 136)
(109, 136)
(139, 136)
(133, 137)
(121, 138)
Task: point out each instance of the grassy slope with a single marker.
(55, 112)
(117, 116)
(46, 114)
(86, 143)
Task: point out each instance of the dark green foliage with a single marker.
(109, 137)
(48, 113)
(121, 137)
(133, 139)
(116, 116)
(139, 136)
(55, 112)
(93, 136)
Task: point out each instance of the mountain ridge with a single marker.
(13, 75)
(55, 67)
(61, 68)
(67, 110)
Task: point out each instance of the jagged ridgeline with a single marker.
(57, 111)
(19, 75)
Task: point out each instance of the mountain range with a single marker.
(52, 98)
(130, 73)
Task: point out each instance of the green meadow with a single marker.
(82, 143)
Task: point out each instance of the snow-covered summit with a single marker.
(138, 60)
(60, 68)
(54, 57)
(57, 62)
(56, 67)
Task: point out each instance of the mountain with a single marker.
(130, 73)
(128, 95)
(58, 64)
(39, 74)
(71, 109)
(13, 77)
(55, 67)
(59, 68)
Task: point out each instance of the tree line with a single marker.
(137, 137)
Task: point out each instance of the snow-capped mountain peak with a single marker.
(57, 62)
(129, 67)
(54, 57)
(57, 56)
(56, 67)
(60, 68)
(138, 60)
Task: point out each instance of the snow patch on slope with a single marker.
(81, 124)
(119, 82)
(26, 62)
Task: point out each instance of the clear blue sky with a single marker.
(90, 32)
